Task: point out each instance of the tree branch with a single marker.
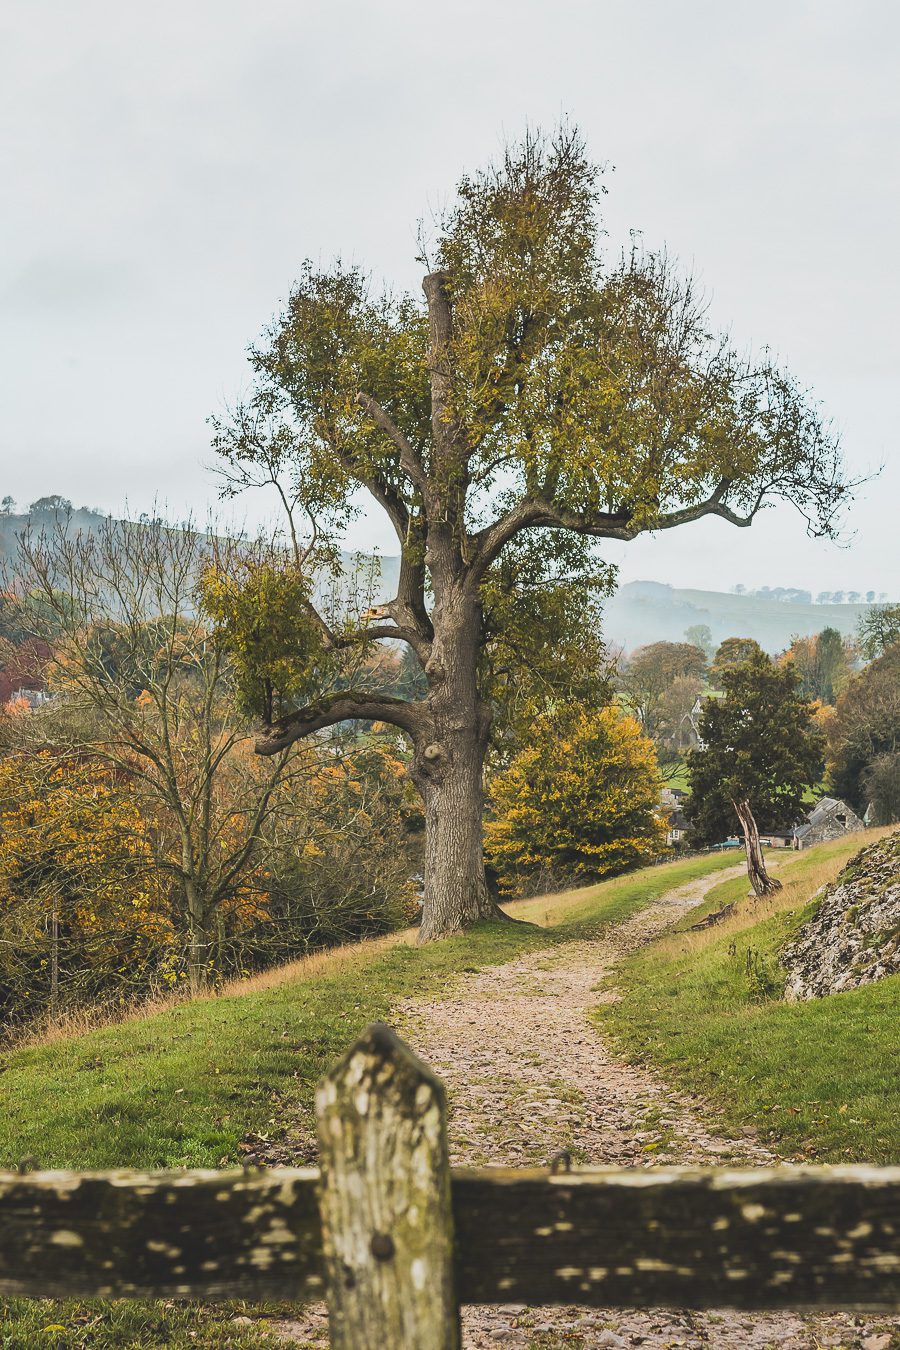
(533, 512)
(410, 461)
(342, 707)
(395, 631)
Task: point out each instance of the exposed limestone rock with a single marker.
(854, 936)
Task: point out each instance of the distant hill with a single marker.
(638, 613)
(13, 524)
(649, 611)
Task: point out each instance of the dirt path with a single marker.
(528, 1076)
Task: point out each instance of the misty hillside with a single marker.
(13, 524)
(648, 611)
(639, 612)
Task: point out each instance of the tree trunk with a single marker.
(54, 956)
(198, 939)
(760, 880)
(456, 894)
(448, 769)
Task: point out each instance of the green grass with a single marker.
(581, 912)
(818, 1079)
(181, 1087)
(675, 774)
(31, 1324)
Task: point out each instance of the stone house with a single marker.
(829, 819)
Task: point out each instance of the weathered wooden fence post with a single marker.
(385, 1200)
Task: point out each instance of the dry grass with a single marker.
(818, 1078)
(328, 961)
(614, 897)
(608, 901)
(804, 874)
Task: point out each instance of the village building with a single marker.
(677, 824)
(830, 818)
(777, 838)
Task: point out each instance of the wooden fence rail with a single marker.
(396, 1241)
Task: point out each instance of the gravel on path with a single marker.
(528, 1075)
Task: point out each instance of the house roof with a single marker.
(823, 808)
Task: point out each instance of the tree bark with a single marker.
(456, 894)
(198, 939)
(54, 956)
(760, 880)
(448, 769)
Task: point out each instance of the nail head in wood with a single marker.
(385, 1200)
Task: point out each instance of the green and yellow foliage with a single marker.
(261, 609)
(579, 801)
(79, 887)
(759, 744)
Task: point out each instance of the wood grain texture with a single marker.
(681, 1237)
(387, 1222)
(780, 1238)
(130, 1234)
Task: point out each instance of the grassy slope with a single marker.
(819, 1079)
(182, 1086)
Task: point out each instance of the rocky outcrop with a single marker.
(854, 936)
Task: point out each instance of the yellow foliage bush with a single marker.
(579, 801)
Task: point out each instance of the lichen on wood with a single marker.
(200, 1234)
(385, 1197)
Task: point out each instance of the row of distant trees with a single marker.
(52, 504)
(793, 595)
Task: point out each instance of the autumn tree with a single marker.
(579, 801)
(865, 731)
(759, 755)
(538, 392)
(649, 676)
(881, 781)
(80, 894)
(145, 683)
(822, 663)
(878, 630)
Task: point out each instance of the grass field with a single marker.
(820, 1079)
(182, 1086)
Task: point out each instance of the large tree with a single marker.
(536, 390)
(758, 756)
(648, 676)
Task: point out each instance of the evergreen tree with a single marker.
(759, 755)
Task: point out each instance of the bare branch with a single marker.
(533, 512)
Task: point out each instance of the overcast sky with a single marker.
(167, 167)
